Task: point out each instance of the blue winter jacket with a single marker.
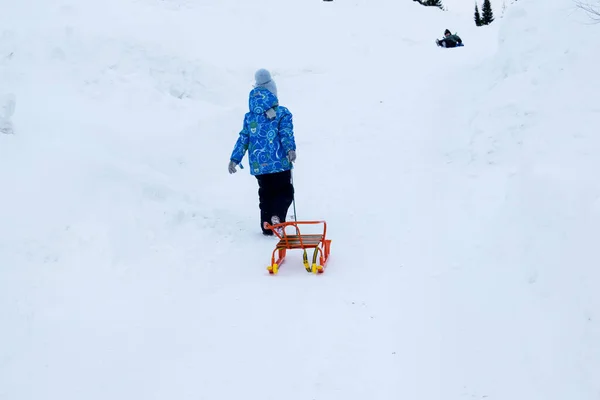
(266, 140)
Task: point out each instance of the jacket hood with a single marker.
(260, 100)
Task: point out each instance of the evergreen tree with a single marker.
(478, 21)
(434, 3)
(487, 14)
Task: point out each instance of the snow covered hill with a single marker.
(458, 186)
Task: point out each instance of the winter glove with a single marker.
(232, 165)
(292, 155)
(271, 113)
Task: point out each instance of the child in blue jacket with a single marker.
(268, 137)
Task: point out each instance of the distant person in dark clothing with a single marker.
(449, 40)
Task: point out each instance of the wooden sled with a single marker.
(297, 240)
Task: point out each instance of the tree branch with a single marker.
(592, 10)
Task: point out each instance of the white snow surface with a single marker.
(460, 188)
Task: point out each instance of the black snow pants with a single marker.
(275, 195)
(448, 43)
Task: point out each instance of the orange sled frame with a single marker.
(318, 242)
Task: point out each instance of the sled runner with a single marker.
(288, 241)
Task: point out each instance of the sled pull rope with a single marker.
(305, 256)
(294, 196)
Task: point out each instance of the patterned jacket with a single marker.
(266, 140)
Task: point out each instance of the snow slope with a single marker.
(457, 186)
(530, 150)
